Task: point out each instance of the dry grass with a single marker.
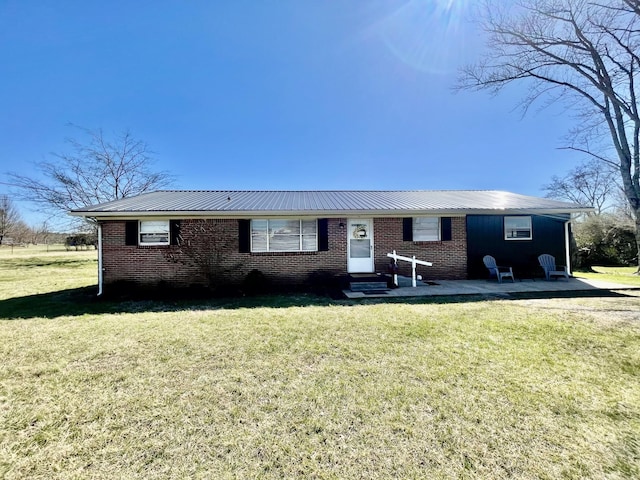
(491, 389)
(39, 269)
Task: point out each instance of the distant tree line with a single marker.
(15, 231)
(81, 241)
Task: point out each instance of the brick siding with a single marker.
(449, 258)
(209, 253)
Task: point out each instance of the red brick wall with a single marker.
(449, 258)
(215, 242)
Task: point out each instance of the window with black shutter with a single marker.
(244, 236)
(131, 233)
(323, 235)
(407, 229)
(174, 231)
(445, 229)
(426, 229)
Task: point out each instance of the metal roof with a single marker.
(234, 203)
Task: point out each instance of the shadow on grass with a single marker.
(39, 262)
(83, 301)
(73, 302)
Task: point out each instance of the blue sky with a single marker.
(271, 94)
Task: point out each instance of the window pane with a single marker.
(284, 227)
(515, 233)
(282, 235)
(259, 235)
(161, 226)
(259, 243)
(309, 235)
(517, 228)
(359, 248)
(284, 243)
(426, 229)
(154, 232)
(154, 238)
(309, 243)
(309, 227)
(258, 227)
(518, 222)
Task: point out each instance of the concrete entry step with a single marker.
(366, 286)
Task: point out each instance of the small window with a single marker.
(280, 235)
(517, 228)
(426, 229)
(154, 232)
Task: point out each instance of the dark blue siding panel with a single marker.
(485, 236)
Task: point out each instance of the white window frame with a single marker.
(154, 227)
(416, 237)
(269, 235)
(516, 228)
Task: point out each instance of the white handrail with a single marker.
(413, 261)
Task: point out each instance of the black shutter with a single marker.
(244, 236)
(407, 229)
(174, 232)
(445, 225)
(323, 235)
(131, 232)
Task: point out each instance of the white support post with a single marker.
(395, 273)
(414, 284)
(567, 246)
(100, 267)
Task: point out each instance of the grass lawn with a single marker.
(306, 387)
(622, 275)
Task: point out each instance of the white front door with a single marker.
(360, 245)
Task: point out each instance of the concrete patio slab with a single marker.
(492, 287)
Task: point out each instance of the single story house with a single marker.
(185, 238)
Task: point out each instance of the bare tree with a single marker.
(587, 184)
(40, 233)
(20, 233)
(204, 246)
(582, 53)
(95, 170)
(9, 217)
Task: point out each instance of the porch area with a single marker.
(437, 288)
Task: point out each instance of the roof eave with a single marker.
(114, 215)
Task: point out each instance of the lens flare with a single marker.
(428, 35)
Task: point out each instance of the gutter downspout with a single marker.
(567, 247)
(99, 259)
